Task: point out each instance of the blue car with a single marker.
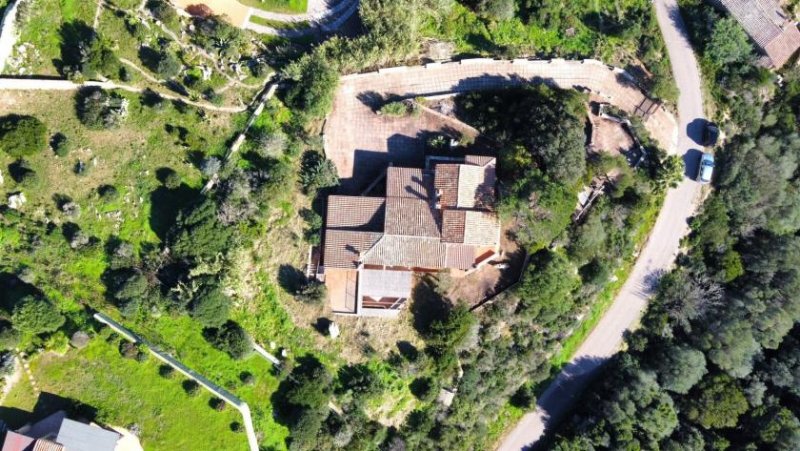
(706, 168)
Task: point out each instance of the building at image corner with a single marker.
(769, 26)
(433, 219)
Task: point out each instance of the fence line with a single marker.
(218, 391)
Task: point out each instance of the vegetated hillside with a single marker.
(624, 34)
(715, 364)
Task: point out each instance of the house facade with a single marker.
(433, 219)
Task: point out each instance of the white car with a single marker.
(706, 169)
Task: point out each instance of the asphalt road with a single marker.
(656, 257)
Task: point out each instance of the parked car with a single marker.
(706, 169)
(710, 134)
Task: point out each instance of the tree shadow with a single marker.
(149, 58)
(428, 305)
(165, 205)
(290, 278)
(408, 350)
(74, 36)
(321, 325)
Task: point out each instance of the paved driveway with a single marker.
(362, 143)
(656, 257)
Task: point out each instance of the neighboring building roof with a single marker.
(343, 248)
(77, 436)
(380, 283)
(767, 25)
(17, 442)
(356, 213)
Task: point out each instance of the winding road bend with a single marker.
(656, 257)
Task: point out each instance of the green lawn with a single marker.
(279, 6)
(126, 392)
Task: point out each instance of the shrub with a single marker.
(99, 109)
(396, 109)
(217, 404)
(60, 144)
(210, 306)
(191, 387)
(128, 350)
(313, 292)
(21, 135)
(270, 144)
(237, 427)
(317, 172)
(166, 371)
(167, 64)
(172, 180)
(162, 10)
(210, 166)
(231, 338)
(108, 193)
(247, 378)
(36, 316)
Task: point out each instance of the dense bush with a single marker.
(101, 109)
(34, 316)
(722, 333)
(210, 306)
(198, 233)
(85, 54)
(317, 172)
(231, 338)
(21, 135)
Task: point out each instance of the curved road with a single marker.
(656, 257)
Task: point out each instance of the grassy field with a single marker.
(279, 6)
(128, 158)
(125, 392)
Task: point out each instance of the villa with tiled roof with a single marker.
(434, 219)
(773, 31)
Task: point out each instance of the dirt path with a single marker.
(656, 258)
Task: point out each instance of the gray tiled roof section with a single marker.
(82, 437)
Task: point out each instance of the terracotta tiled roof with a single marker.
(411, 217)
(356, 213)
(408, 182)
(343, 247)
(481, 229)
(460, 256)
(476, 186)
(446, 184)
(479, 160)
(781, 49)
(422, 252)
(453, 222)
